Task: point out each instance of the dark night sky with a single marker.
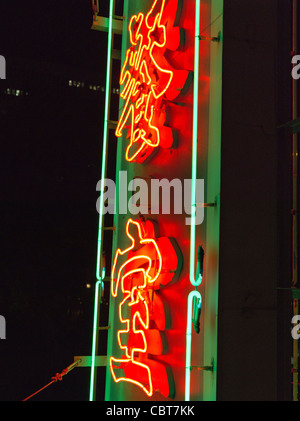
(50, 164)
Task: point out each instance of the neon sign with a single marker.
(151, 113)
(149, 80)
(138, 273)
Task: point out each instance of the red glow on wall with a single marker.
(139, 271)
(150, 82)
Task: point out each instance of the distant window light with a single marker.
(76, 83)
(15, 92)
(96, 88)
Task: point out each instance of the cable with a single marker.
(54, 379)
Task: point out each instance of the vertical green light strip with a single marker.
(103, 174)
(193, 281)
(95, 332)
(192, 295)
(105, 139)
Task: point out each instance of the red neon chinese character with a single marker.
(147, 263)
(149, 80)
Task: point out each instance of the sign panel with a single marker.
(158, 346)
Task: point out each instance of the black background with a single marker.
(50, 151)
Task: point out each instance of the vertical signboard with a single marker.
(162, 341)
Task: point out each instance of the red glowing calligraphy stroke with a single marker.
(130, 356)
(135, 276)
(140, 259)
(129, 294)
(145, 84)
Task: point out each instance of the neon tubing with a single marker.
(95, 332)
(103, 171)
(98, 287)
(194, 146)
(193, 281)
(192, 295)
(129, 296)
(140, 91)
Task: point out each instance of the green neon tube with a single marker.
(192, 295)
(95, 332)
(100, 226)
(193, 281)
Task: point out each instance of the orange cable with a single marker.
(57, 377)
